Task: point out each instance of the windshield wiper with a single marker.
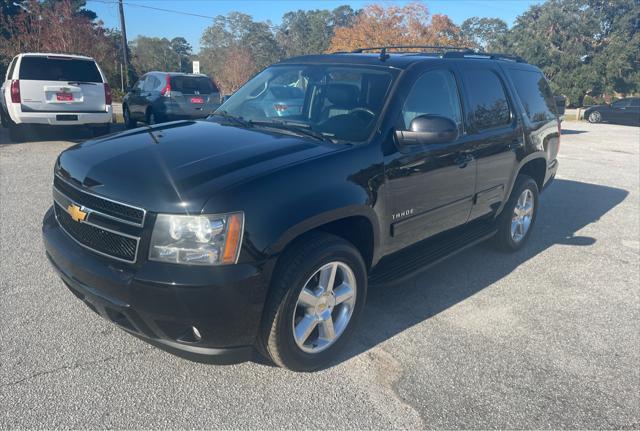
(237, 120)
(294, 126)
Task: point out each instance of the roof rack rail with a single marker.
(444, 50)
(398, 49)
(487, 55)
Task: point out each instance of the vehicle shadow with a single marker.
(566, 207)
(573, 132)
(37, 133)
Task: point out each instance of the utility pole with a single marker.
(123, 31)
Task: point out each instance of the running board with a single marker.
(418, 257)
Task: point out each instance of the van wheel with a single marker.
(129, 122)
(317, 296)
(518, 216)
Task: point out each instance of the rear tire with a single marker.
(129, 122)
(518, 216)
(287, 310)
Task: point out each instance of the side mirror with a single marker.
(428, 130)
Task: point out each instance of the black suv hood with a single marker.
(175, 167)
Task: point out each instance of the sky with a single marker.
(142, 19)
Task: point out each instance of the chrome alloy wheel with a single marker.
(324, 307)
(595, 117)
(522, 216)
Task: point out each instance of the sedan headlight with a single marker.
(197, 240)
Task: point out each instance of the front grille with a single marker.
(108, 207)
(97, 239)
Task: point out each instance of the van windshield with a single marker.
(338, 102)
(59, 69)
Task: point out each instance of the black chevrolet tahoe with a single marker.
(260, 228)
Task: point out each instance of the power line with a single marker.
(179, 12)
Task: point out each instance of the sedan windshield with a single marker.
(340, 103)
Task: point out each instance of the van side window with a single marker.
(488, 104)
(434, 93)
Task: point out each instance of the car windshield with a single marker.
(340, 103)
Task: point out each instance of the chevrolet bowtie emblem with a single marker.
(76, 213)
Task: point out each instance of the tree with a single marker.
(61, 26)
(396, 25)
(310, 32)
(485, 33)
(183, 49)
(234, 32)
(153, 53)
(237, 69)
(559, 34)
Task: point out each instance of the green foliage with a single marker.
(583, 46)
(233, 32)
(153, 53)
(486, 33)
(310, 32)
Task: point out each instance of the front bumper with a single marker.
(161, 303)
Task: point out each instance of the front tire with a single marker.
(518, 217)
(317, 296)
(594, 117)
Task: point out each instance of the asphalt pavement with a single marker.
(548, 337)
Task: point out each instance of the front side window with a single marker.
(535, 94)
(488, 104)
(55, 68)
(434, 93)
(339, 102)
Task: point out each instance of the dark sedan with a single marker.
(623, 111)
(163, 96)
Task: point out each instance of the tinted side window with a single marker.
(59, 69)
(619, 104)
(635, 103)
(140, 84)
(150, 83)
(488, 104)
(434, 93)
(535, 94)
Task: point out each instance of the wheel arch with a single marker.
(357, 225)
(536, 168)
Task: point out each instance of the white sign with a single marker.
(196, 67)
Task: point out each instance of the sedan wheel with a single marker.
(594, 117)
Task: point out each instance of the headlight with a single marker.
(197, 240)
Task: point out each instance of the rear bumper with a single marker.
(172, 111)
(161, 303)
(54, 119)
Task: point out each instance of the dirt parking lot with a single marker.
(545, 338)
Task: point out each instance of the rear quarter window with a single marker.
(59, 69)
(488, 105)
(535, 95)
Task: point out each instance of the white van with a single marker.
(55, 89)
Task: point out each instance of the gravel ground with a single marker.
(545, 338)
